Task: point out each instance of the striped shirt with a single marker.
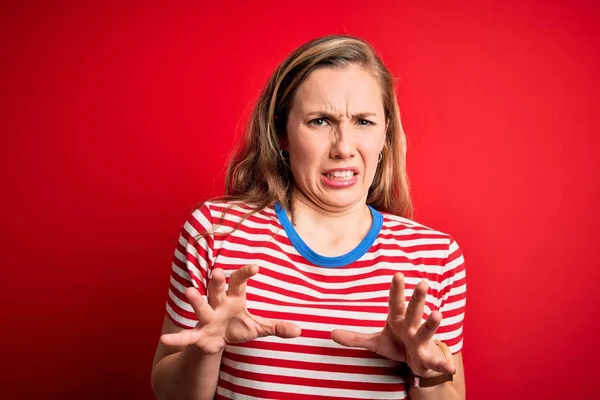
(318, 294)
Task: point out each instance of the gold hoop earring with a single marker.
(380, 157)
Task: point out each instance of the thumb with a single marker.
(182, 338)
(354, 339)
(286, 330)
(282, 329)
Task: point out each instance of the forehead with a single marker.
(350, 89)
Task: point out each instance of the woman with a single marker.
(282, 289)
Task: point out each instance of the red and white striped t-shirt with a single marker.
(318, 294)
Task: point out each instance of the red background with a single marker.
(116, 120)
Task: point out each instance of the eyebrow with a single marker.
(359, 115)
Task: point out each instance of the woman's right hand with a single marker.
(225, 318)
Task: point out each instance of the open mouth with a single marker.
(340, 175)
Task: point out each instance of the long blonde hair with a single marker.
(258, 174)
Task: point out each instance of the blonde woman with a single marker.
(309, 279)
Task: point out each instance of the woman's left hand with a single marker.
(403, 337)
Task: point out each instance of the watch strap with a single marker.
(417, 381)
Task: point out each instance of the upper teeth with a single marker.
(341, 174)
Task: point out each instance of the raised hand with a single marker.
(225, 318)
(403, 337)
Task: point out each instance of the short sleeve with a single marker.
(453, 296)
(192, 261)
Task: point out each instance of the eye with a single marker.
(318, 122)
(365, 122)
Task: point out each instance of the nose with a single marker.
(342, 146)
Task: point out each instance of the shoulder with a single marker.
(229, 213)
(433, 248)
(412, 234)
(394, 225)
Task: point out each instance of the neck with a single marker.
(330, 231)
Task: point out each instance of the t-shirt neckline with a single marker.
(324, 261)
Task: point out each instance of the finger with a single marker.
(237, 281)
(396, 302)
(216, 288)
(354, 339)
(416, 305)
(282, 329)
(203, 311)
(431, 325)
(182, 338)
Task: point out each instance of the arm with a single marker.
(183, 372)
(452, 306)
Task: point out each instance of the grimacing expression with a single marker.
(335, 132)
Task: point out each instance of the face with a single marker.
(335, 132)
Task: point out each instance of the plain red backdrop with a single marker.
(116, 119)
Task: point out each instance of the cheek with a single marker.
(301, 152)
(304, 151)
(374, 147)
